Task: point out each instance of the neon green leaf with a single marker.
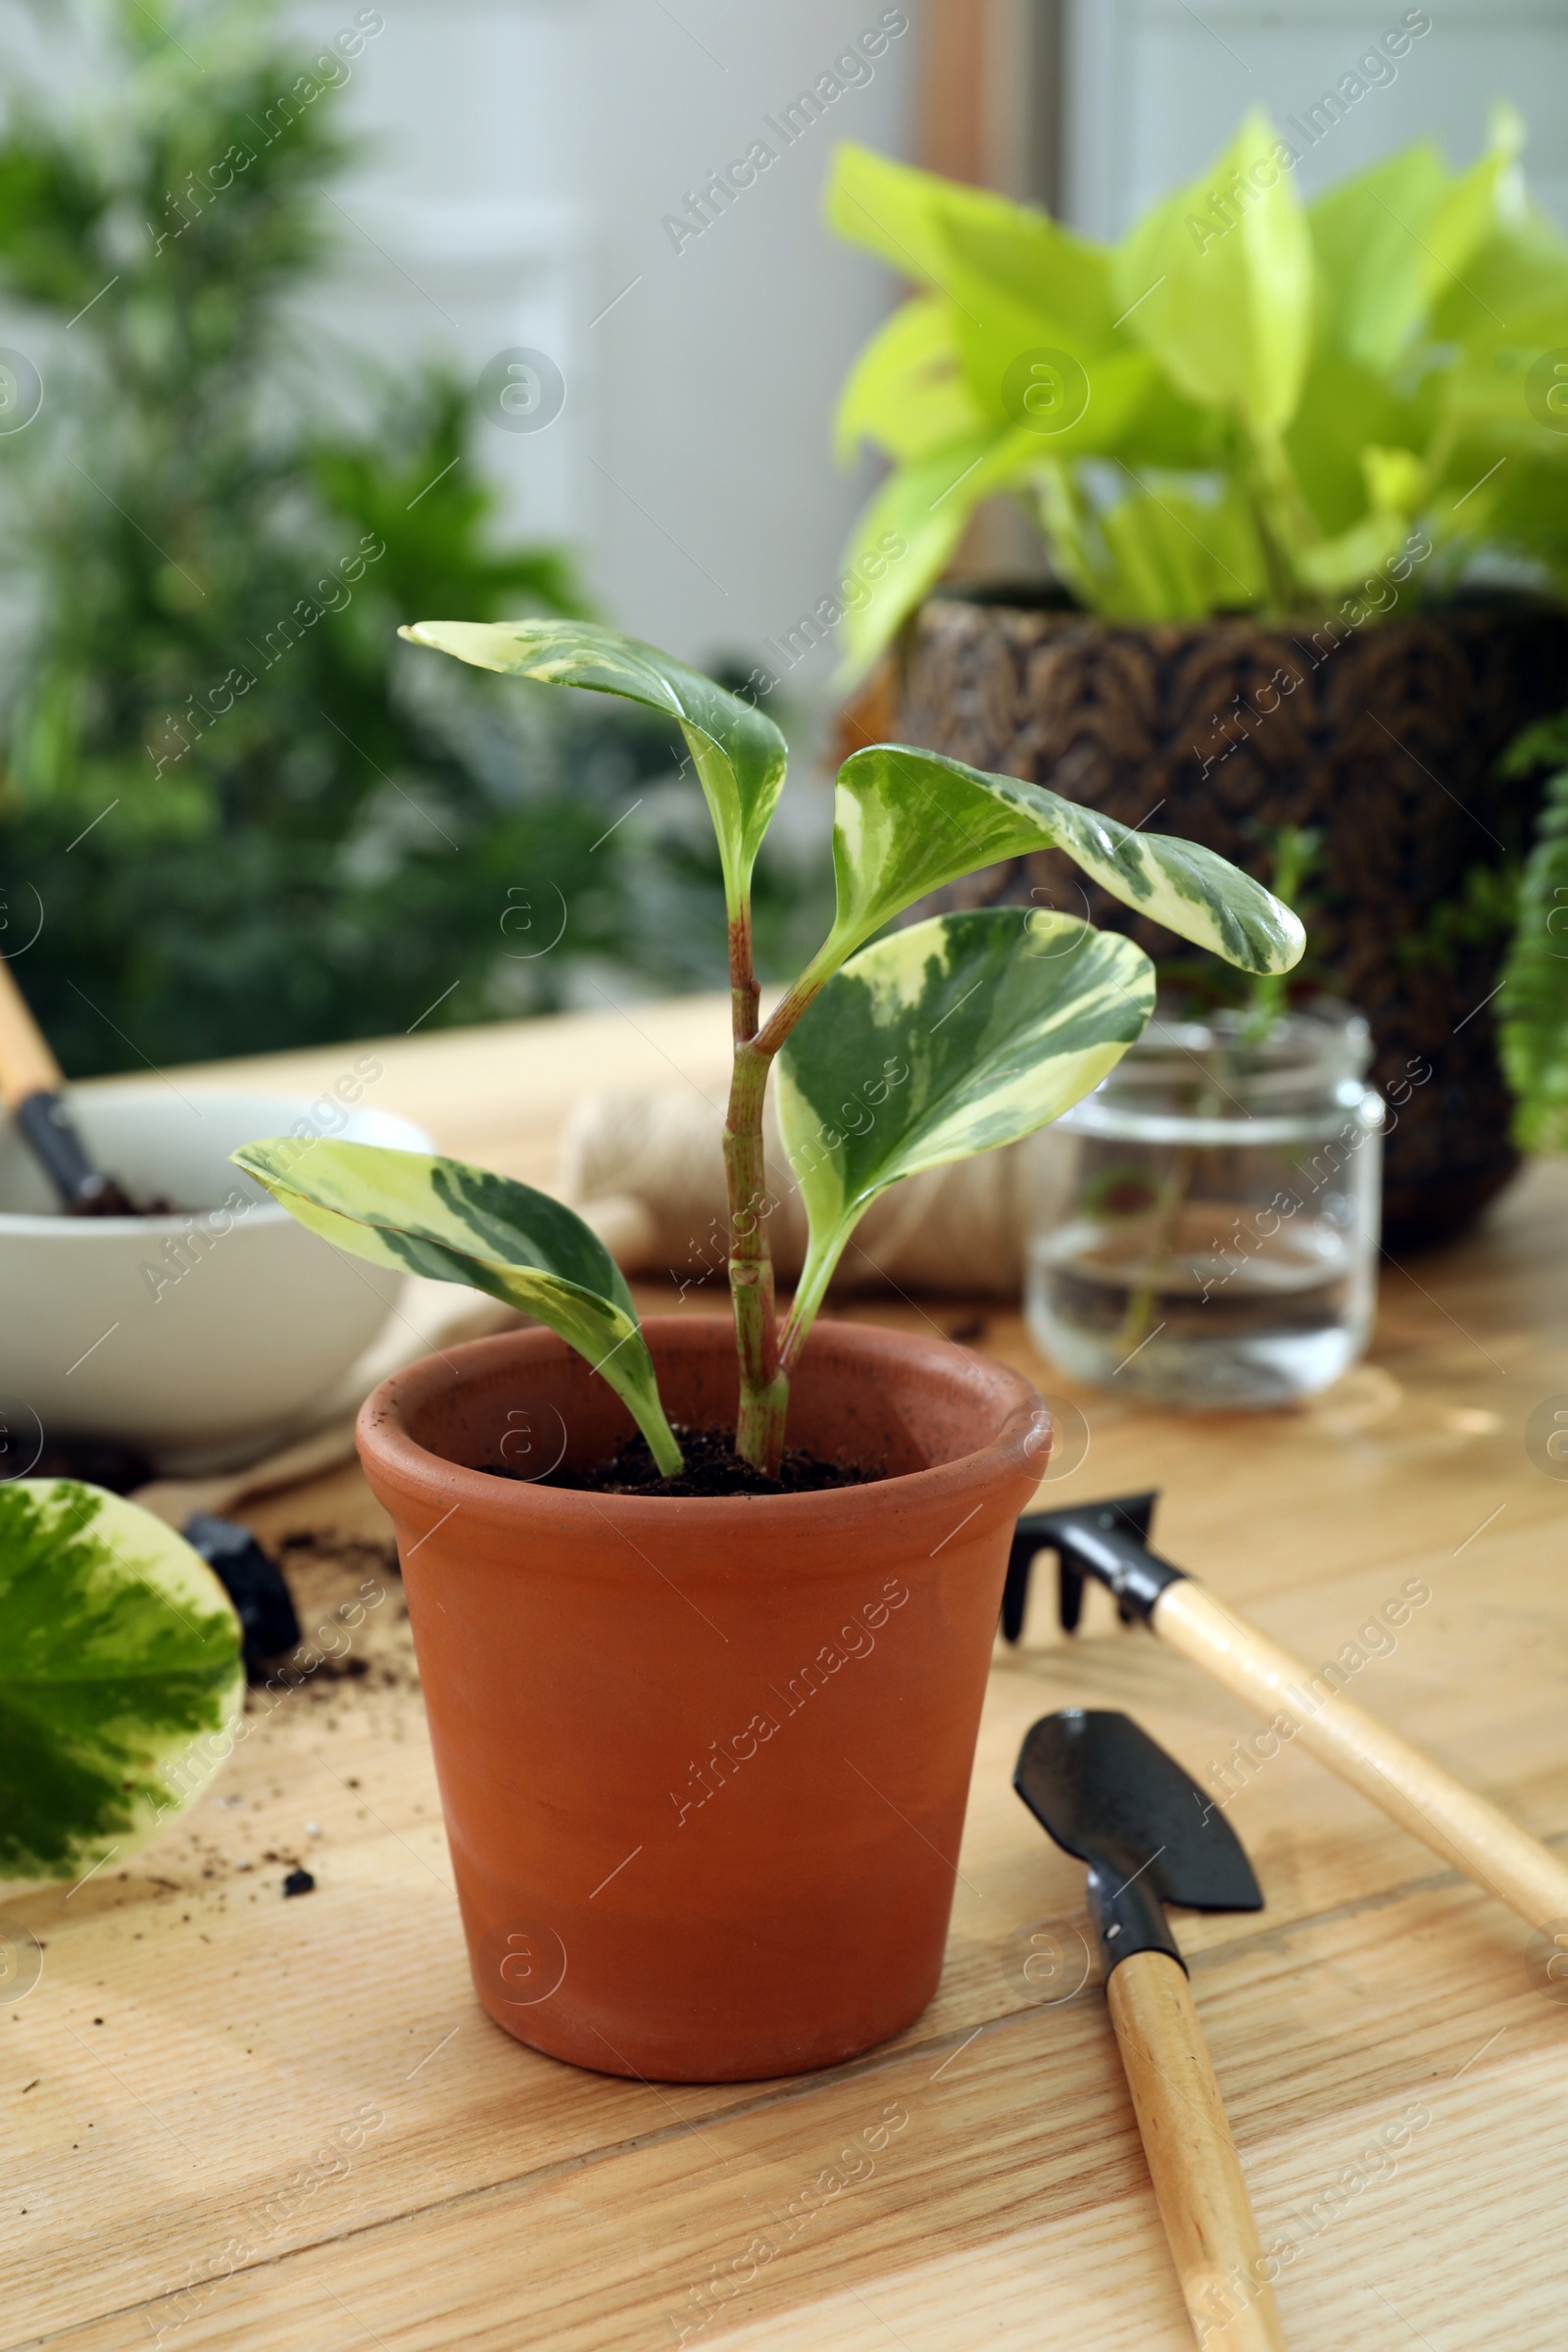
(906, 392)
(1369, 236)
(921, 508)
(908, 215)
(1227, 310)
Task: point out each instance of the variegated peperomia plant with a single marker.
(928, 1045)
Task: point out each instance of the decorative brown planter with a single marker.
(704, 1764)
(1385, 737)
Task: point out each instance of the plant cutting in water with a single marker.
(1294, 851)
(949, 1038)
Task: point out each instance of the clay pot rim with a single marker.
(992, 597)
(401, 1460)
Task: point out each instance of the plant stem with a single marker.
(1063, 519)
(765, 1381)
(744, 992)
(1141, 1303)
(789, 1009)
(1281, 518)
(763, 1390)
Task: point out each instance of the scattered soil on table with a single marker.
(351, 1681)
(713, 1468)
(359, 1556)
(354, 1621)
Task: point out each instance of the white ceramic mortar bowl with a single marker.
(195, 1337)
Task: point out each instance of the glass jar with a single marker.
(1204, 1227)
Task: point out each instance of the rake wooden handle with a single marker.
(1192, 2157)
(1462, 1829)
(27, 1065)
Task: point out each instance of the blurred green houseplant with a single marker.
(1243, 407)
(244, 825)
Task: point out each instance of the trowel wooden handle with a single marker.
(1462, 1829)
(1192, 2157)
(27, 1065)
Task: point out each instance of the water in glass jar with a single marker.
(1205, 1223)
(1262, 1316)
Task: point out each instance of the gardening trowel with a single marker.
(1109, 1540)
(32, 1088)
(1104, 1790)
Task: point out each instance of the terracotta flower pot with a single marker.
(705, 1763)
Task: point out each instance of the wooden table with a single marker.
(209, 2078)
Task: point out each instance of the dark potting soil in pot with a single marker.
(713, 1468)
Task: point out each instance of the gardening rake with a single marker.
(1109, 1540)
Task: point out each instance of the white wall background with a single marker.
(520, 156)
(1154, 89)
(524, 154)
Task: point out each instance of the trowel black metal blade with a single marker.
(1110, 1795)
(1107, 1539)
(1105, 1791)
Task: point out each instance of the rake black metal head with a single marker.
(1105, 1539)
(1105, 1791)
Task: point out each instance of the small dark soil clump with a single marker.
(713, 1468)
(111, 1199)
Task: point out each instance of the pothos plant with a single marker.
(1247, 406)
(938, 1041)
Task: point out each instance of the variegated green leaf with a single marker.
(739, 755)
(456, 1223)
(907, 821)
(947, 1039)
(120, 1676)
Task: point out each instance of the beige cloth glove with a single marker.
(647, 1171)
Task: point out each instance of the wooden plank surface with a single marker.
(236, 2120)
